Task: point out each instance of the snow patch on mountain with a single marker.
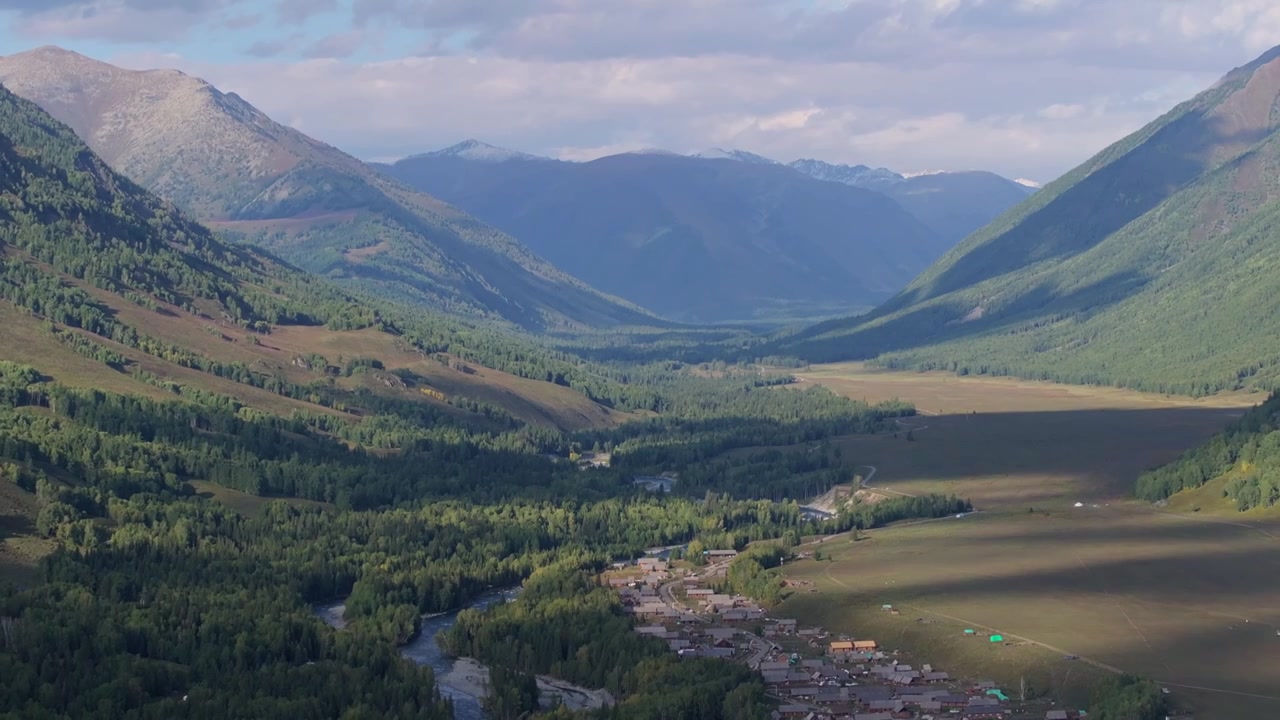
(857, 175)
(482, 152)
(739, 155)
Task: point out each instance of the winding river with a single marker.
(424, 650)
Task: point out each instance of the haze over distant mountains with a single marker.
(1156, 264)
(720, 234)
(724, 235)
(952, 204)
(240, 171)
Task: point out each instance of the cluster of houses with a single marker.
(867, 684)
(853, 680)
(728, 608)
(639, 593)
(856, 680)
(698, 642)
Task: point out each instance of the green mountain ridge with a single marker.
(257, 180)
(1154, 265)
(105, 286)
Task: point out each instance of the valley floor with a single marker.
(1189, 599)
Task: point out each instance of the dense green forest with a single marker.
(1250, 446)
(565, 625)
(110, 475)
(1128, 697)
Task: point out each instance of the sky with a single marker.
(1026, 88)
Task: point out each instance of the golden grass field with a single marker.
(1191, 599)
(532, 401)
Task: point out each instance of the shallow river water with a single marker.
(424, 650)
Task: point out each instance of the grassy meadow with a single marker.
(1188, 598)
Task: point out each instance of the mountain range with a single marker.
(951, 204)
(105, 286)
(719, 235)
(250, 177)
(1155, 265)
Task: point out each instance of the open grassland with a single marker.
(1012, 443)
(1187, 598)
(532, 401)
(20, 546)
(950, 394)
(244, 503)
(1192, 604)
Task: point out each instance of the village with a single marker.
(812, 674)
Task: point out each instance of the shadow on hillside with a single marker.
(938, 323)
(1080, 218)
(16, 526)
(1114, 195)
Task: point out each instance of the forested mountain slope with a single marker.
(1242, 464)
(692, 238)
(103, 285)
(1155, 265)
(237, 169)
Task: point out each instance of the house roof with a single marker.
(982, 713)
(871, 692)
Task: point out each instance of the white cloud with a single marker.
(1062, 111)
(842, 112)
(1023, 87)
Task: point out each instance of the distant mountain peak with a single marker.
(739, 155)
(859, 175)
(1029, 183)
(650, 151)
(923, 173)
(482, 152)
(221, 159)
(52, 50)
